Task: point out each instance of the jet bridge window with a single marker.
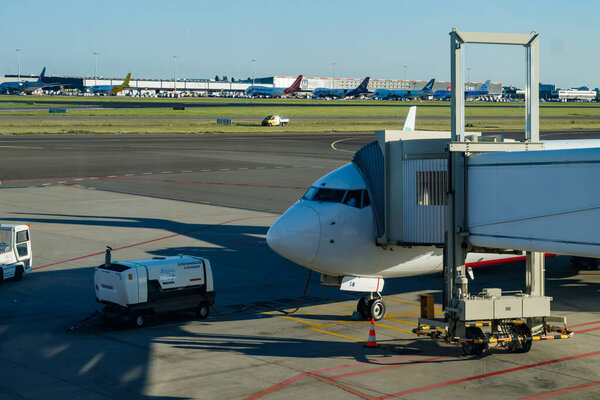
(431, 188)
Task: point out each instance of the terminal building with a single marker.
(202, 87)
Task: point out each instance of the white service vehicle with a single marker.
(138, 288)
(275, 120)
(15, 251)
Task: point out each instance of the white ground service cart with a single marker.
(137, 288)
(15, 251)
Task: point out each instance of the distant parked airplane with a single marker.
(387, 94)
(341, 93)
(26, 86)
(482, 91)
(111, 89)
(443, 94)
(446, 94)
(267, 91)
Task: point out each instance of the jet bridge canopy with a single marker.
(546, 201)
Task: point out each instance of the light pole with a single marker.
(253, 61)
(18, 65)
(174, 74)
(333, 73)
(95, 68)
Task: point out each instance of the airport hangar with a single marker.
(206, 86)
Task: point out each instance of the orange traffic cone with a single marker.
(372, 342)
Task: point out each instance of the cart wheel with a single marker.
(363, 308)
(522, 346)
(138, 320)
(18, 273)
(377, 308)
(202, 311)
(1, 275)
(471, 348)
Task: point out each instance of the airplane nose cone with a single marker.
(296, 234)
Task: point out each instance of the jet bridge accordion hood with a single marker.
(369, 161)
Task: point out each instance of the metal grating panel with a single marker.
(425, 183)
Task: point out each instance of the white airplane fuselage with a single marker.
(336, 238)
(325, 232)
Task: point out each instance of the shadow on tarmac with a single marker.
(115, 360)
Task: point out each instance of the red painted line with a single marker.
(195, 279)
(329, 381)
(388, 367)
(588, 330)
(204, 183)
(159, 180)
(151, 240)
(303, 374)
(587, 323)
(565, 390)
(51, 179)
(501, 372)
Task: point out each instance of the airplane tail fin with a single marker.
(485, 85)
(364, 83)
(296, 84)
(126, 81)
(42, 75)
(409, 124)
(295, 87)
(429, 85)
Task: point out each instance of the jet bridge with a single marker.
(471, 195)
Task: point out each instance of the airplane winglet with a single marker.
(409, 124)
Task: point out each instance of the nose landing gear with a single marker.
(371, 307)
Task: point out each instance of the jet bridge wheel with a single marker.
(523, 346)
(470, 348)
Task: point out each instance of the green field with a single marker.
(29, 114)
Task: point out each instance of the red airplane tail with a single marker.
(295, 87)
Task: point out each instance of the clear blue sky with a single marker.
(375, 38)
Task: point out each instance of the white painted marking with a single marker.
(78, 179)
(223, 169)
(128, 174)
(147, 173)
(112, 176)
(186, 171)
(62, 182)
(93, 178)
(166, 172)
(242, 168)
(205, 170)
(46, 184)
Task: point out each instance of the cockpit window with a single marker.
(366, 200)
(310, 193)
(353, 198)
(329, 195)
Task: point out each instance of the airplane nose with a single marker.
(296, 234)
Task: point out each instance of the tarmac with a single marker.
(215, 196)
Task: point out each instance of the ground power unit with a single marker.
(138, 288)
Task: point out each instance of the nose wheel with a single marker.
(371, 308)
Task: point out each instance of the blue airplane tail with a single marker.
(429, 85)
(364, 83)
(485, 85)
(42, 75)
